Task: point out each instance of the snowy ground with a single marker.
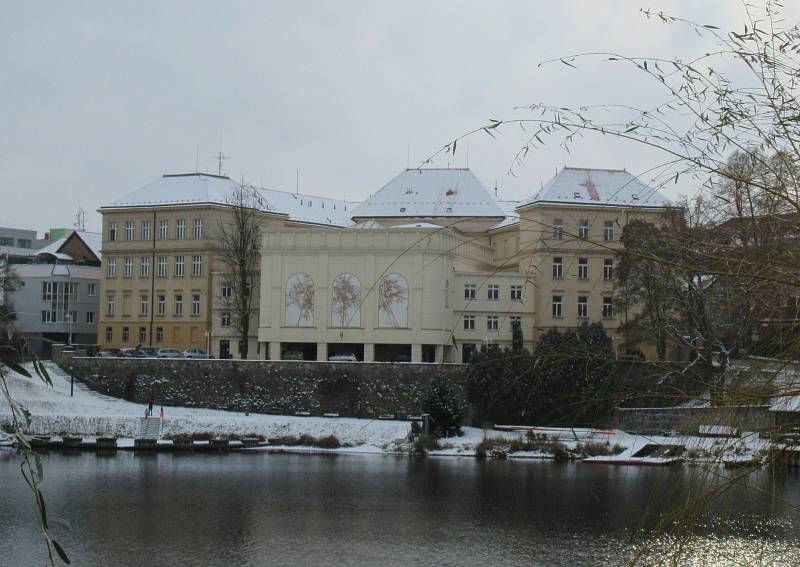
(88, 413)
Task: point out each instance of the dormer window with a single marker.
(635, 196)
(402, 209)
(449, 210)
(450, 192)
(576, 195)
(409, 191)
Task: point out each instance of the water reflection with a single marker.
(257, 509)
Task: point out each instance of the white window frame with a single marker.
(511, 320)
(557, 306)
(225, 291)
(91, 289)
(583, 268)
(179, 264)
(608, 308)
(112, 232)
(111, 268)
(178, 299)
(180, 229)
(558, 267)
(608, 269)
(126, 335)
(197, 266)
(146, 228)
(144, 267)
(470, 291)
(127, 267)
(161, 270)
(558, 229)
(225, 320)
(159, 334)
(583, 228)
(90, 318)
(469, 322)
(144, 304)
(163, 229)
(195, 304)
(197, 231)
(111, 301)
(583, 307)
(493, 292)
(608, 231)
(492, 323)
(516, 293)
(129, 230)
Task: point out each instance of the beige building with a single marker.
(428, 269)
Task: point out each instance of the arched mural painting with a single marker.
(346, 301)
(300, 301)
(393, 302)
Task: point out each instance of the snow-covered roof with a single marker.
(584, 186)
(510, 210)
(53, 247)
(92, 241)
(431, 193)
(203, 188)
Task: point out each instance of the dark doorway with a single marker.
(428, 353)
(298, 351)
(467, 352)
(342, 350)
(392, 353)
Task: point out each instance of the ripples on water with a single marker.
(257, 509)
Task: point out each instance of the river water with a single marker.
(262, 509)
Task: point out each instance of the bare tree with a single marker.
(240, 243)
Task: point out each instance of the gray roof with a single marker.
(609, 187)
(202, 188)
(431, 193)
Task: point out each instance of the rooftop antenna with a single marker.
(80, 219)
(220, 157)
(495, 188)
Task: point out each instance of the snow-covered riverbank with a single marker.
(90, 414)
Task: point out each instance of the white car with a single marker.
(343, 357)
(194, 353)
(169, 353)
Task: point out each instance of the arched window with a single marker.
(300, 300)
(393, 302)
(346, 301)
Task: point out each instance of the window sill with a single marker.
(557, 317)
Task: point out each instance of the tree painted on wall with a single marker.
(300, 300)
(393, 302)
(346, 301)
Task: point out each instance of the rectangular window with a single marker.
(48, 316)
(513, 320)
(492, 322)
(71, 291)
(198, 228)
(556, 307)
(516, 293)
(225, 320)
(49, 290)
(161, 305)
(225, 291)
(558, 229)
(6, 241)
(608, 269)
(109, 334)
(127, 267)
(161, 272)
(142, 335)
(178, 304)
(197, 265)
(469, 291)
(144, 267)
(112, 231)
(195, 305)
(111, 268)
(147, 227)
(159, 334)
(91, 290)
(178, 266)
(493, 292)
(144, 304)
(126, 334)
(608, 308)
(163, 229)
(469, 322)
(180, 229)
(583, 228)
(608, 230)
(583, 268)
(110, 299)
(128, 230)
(558, 267)
(90, 317)
(583, 307)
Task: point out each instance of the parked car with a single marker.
(194, 353)
(292, 355)
(104, 354)
(169, 353)
(343, 357)
(149, 352)
(131, 353)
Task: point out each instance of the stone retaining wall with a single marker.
(653, 421)
(262, 386)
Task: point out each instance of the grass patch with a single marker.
(327, 442)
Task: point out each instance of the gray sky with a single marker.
(100, 98)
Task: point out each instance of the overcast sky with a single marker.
(101, 98)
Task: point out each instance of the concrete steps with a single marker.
(149, 428)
